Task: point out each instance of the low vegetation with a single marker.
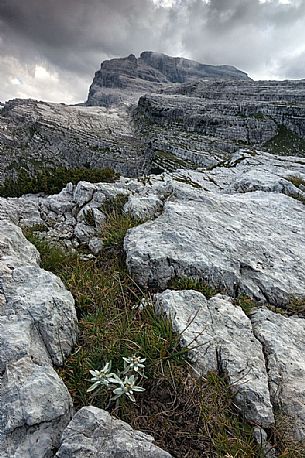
(51, 181)
(188, 416)
(286, 143)
(300, 184)
(296, 306)
(296, 181)
(195, 284)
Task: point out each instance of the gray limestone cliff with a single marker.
(35, 135)
(125, 79)
(153, 114)
(202, 123)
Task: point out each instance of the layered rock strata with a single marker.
(124, 80)
(37, 135)
(204, 122)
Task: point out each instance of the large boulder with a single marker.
(35, 407)
(38, 327)
(219, 337)
(283, 340)
(248, 243)
(32, 293)
(94, 433)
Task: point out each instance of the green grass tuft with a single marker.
(246, 303)
(286, 143)
(117, 223)
(196, 284)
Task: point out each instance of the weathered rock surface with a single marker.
(30, 292)
(35, 407)
(94, 433)
(283, 340)
(35, 135)
(202, 123)
(180, 114)
(125, 79)
(243, 243)
(239, 225)
(19, 339)
(75, 216)
(232, 225)
(38, 327)
(220, 338)
(248, 171)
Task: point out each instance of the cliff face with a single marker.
(36, 134)
(203, 121)
(155, 113)
(124, 79)
(191, 114)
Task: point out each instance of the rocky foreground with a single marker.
(240, 227)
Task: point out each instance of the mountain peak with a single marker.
(125, 79)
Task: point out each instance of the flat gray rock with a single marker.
(220, 338)
(248, 243)
(283, 340)
(94, 433)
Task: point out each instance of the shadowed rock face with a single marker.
(36, 134)
(202, 121)
(127, 78)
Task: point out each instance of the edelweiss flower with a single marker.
(100, 377)
(127, 387)
(134, 363)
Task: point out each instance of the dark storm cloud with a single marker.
(69, 32)
(51, 48)
(247, 33)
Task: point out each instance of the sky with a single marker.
(50, 49)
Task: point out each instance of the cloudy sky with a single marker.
(50, 49)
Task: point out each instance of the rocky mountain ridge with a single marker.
(35, 135)
(204, 122)
(197, 123)
(125, 79)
